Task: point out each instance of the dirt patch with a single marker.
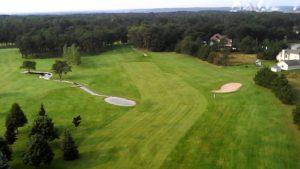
(229, 88)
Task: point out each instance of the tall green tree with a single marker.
(248, 45)
(16, 116)
(29, 65)
(5, 149)
(71, 54)
(76, 58)
(270, 49)
(61, 67)
(69, 148)
(38, 151)
(44, 126)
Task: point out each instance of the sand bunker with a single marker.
(120, 101)
(228, 88)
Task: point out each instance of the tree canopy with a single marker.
(45, 36)
(44, 126)
(38, 151)
(61, 67)
(29, 65)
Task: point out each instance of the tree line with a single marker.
(280, 86)
(38, 151)
(45, 36)
(278, 83)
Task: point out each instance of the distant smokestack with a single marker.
(252, 5)
(237, 4)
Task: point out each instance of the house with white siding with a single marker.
(288, 59)
(288, 54)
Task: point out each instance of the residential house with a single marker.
(218, 38)
(289, 64)
(288, 59)
(288, 54)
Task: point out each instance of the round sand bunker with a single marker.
(120, 101)
(229, 88)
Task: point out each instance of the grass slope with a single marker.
(177, 123)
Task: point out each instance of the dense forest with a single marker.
(186, 32)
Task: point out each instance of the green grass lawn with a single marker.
(176, 124)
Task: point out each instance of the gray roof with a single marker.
(295, 46)
(292, 62)
(291, 51)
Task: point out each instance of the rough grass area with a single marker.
(176, 124)
(241, 59)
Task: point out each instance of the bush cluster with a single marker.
(277, 83)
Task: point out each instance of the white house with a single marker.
(288, 54)
(289, 64)
(288, 59)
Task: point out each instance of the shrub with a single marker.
(265, 77)
(278, 83)
(296, 115)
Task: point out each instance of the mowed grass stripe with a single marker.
(144, 137)
(171, 92)
(247, 129)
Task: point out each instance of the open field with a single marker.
(241, 59)
(176, 124)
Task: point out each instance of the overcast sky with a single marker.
(29, 6)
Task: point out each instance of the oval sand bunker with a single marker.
(120, 101)
(229, 88)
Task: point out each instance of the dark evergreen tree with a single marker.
(265, 77)
(16, 116)
(279, 85)
(286, 94)
(76, 121)
(279, 82)
(296, 114)
(5, 149)
(42, 111)
(69, 148)
(3, 161)
(38, 151)
(10, 134)
(44, 126)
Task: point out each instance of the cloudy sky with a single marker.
(29, 6)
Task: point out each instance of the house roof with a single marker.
(292, 62)
(291, 51)
(219, 37)
(295, 46)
